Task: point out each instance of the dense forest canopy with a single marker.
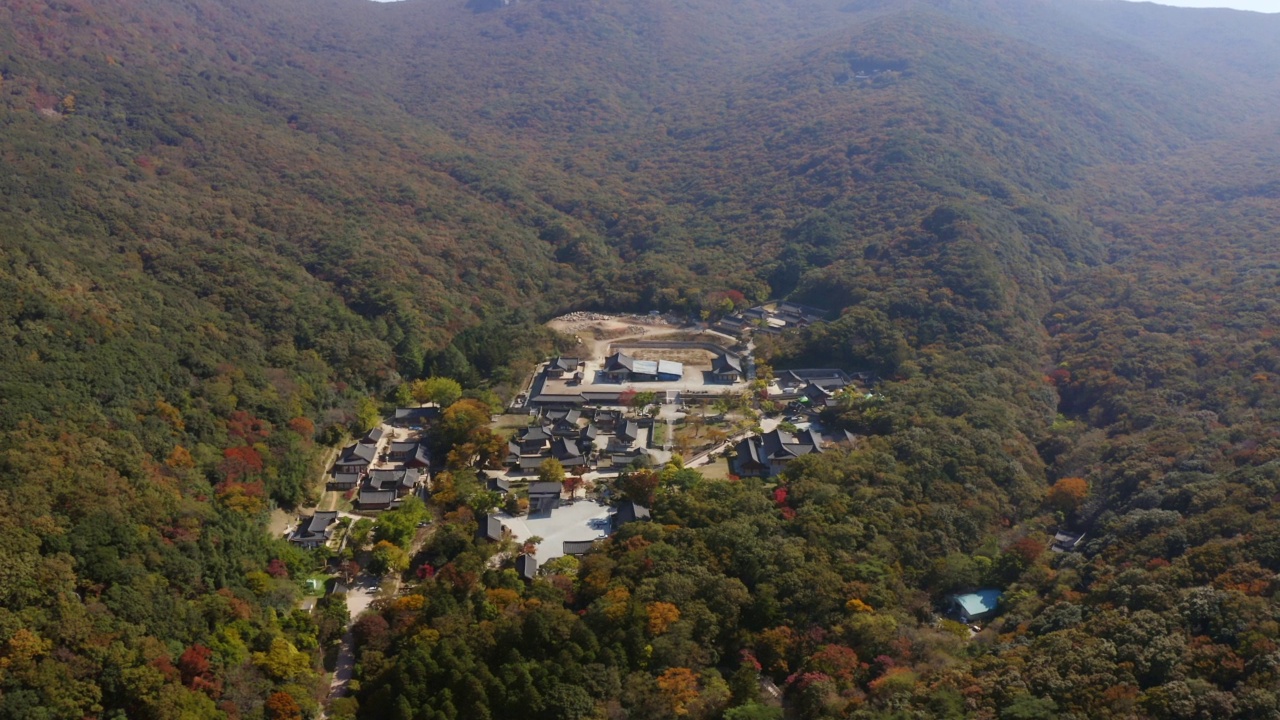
(1049, 225)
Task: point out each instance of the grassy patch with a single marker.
(659, 434)
(509, 422)
(717, 470)
(314, 584)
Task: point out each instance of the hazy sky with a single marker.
(1257, 5)
(1272, 6)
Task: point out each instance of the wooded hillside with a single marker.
(1050, 226)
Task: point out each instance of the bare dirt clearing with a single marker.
(691, 358)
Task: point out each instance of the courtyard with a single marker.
(575, 521)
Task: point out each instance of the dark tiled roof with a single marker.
(570, 415)
(376, 497)
(416, 414)
(821, 376)
(419, 457)
(565, 449)
(779, 444)
(527, 566)
(321, 521)
(750, 450)
(564, 364)
(564, 427)
(629, 429)
(534, 434)
(578, 547)
(391, 479)
(531, 463)
(373, 436)
(545, 488)
(501, 485)
(346, 478)
(357, 454)
(726, 363)
(551, 399)
(619, 362)
(630, 512)
(814, 391)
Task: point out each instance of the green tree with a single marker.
(442, 391)
(643, 399)
(404, 395)
(551, 471)
(484, 501)
(368, 414)
(753, 711)
(358, 535)
(398, 526)
(388, 558)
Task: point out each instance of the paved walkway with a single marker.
(359, 596)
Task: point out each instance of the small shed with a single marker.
(491, 528)
(527, 567)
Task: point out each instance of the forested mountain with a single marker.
(1049, 225)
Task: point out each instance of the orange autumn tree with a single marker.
(680, 687)
(661, 616)
(1068, 494)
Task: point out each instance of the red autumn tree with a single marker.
(282, 706)
(303, 426)
(572, 483)
(240, 462)
(194, 663)
(639, 486)
(251, 429)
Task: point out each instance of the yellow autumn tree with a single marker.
(282, 661)
(857, 605)
(616, 603)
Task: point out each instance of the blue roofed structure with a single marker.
(976, 606)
